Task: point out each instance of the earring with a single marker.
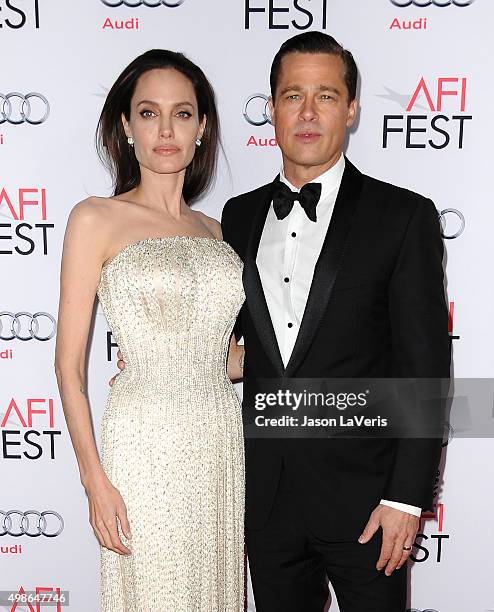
(198, 142)
(130, 140)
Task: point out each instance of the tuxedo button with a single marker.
(286, 279)
(290, 324)
(294, 234)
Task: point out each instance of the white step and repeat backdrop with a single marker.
(425, 123)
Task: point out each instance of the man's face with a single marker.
(311, 111)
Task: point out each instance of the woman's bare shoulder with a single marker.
(94, 211)
(212, 224)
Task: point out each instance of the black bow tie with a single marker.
(284, 197)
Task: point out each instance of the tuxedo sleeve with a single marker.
(228, 231)
(421, 346)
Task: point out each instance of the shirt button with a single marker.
(293, 234)
(290, 324)
(286, 279)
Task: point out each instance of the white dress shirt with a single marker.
(286, 258)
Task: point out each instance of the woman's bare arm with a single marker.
(80, 272)
(84, 249)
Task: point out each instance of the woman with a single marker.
(166, 501)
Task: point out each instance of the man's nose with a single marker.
(308, 111)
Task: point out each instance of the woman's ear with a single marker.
(202, 127)
(126, 126)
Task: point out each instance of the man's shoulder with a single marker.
(393, 191)
(248, 198)
(390, 196)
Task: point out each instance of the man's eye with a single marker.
(293, 97)
(147, 113)
(326, 97)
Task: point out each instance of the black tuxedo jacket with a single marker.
(376, 308)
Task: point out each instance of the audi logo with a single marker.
(16, 523)
(150, 3)
(17, 108)
(423, 3)
(417, 610)
(256, 110)
(452, 223)
(26, 326)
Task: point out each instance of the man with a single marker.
(343, 280)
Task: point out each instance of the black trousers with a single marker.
(290, 566)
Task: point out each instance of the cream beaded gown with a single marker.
(172, 429)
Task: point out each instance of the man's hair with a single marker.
(316, 42)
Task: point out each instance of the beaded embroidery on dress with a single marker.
(172, 439)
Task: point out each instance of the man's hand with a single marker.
(120, 365)
(399, 531)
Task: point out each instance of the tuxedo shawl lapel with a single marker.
(328, 264)
(255, 297)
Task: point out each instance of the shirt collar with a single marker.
(330, 180)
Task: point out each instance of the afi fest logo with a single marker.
(431, 546)
(451, 315)
(23, 216)
(17, 14)
(110, 345)
(435, 115)
(286, 14)
(28, 428)
(256, 113)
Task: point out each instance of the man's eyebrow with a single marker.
(329, 88)
(290, 88)
(298, 88)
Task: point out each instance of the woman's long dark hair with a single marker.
(111, 141)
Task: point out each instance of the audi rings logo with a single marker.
(417, 610)
(150, 3)
(452, 223)
(256, 111)
(17, 108)
(26, 326)
(424, 3)
(31, 523)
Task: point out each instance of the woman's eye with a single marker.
(147, 113)
(184, 114)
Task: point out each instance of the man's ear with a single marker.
(271, 108)
(352, 113)
(126, 126)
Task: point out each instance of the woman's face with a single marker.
(164, 121)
